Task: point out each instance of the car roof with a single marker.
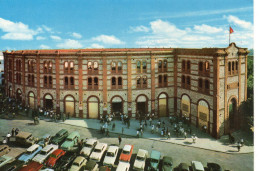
(56, 152)
(100, 145)
(112, 148)
(142, 152)
(123, 165)
(198, 165)
(33, 147)
(155, 154)
(91, 141)
(73, 134)
(127, 147)
(46, 136)
(79, 159)
(47, 147)
(23, 134)
(90, 164)
(61, 131)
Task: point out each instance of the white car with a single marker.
(140, 159)
(197, 166)
(98, 152)
(111, 154)
(45, 152)
(78, 163)
(123, 166)
(88, 147)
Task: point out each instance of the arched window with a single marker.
(183, 82)
(71, 67)
(45, 81)
(165, 65)
(71, 82)
(66, 67)
(119, 67)
(50, 82)
(165, 80)
(120, 82)
(200, 66)
(138, 66)
(138, 82)
(206, 66)
(144, 66)
(160, 80)
(96, 83)
(200, 83)
(207, 84)
(188, 66)
(113, 67)
(188, 82)
(50, 67)
(90, 83)
(32, 80)
(183, 65)
(113, 82)
(29, 79)
(160, 65)
(144, 82)
(45, 66)
(233, 67)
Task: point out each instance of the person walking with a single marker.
(4, 141)
(137, 134)
(16, 131)
(13, 132)
(107, 133)
(242, 142)
(238, 146)
(169, 135)
(152, 129)
(141, 132)
(122, 130)
(119, 139)
(8, 137)
(185, 135)
(113, 126)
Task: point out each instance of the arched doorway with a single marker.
(10, 91)
(48, 102)
(142, 105)
(117, 105)
(232, 108)
(19, 95)
(163, 105)
(31, 100)
(203, 113)
(185, 106)
(69, 105)
(93, 107)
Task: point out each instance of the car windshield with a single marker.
(69, 139)
(110, 154)
(76, 164)
(97, 150)
(28, 152)
(167, 164)
(154, 161)
(140, 158)
(43, 152)
(126, 152)
(88, 145)
(54, 156)
(29, 137)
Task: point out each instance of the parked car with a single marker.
(78, 163)
(197, 166)
(126, 153)
(98, 152)
(89, 146)
(13, 166)
(104, 168)
(140, 159)
(123, 166)
(32, 166)
(167, 163)
(183, 167)
(71, 142)
(25, 138)
(111, 154)
(155, 159)
(59, 137)
(30, 153)
(45, 152)
(5, 159)
(46, 138)
(65, 161)
(214, 167)
(91, 166)
(54, 157)
(4, 149)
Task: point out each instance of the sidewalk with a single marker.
(204, 140)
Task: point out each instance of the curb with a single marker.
(234, 153)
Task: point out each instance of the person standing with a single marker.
(141, 132)
(242, 142)
(150, 120)
(16, 131)
(238, 146)
(107, 132)
(8, 137)
(185, 135)
(152, 129)
(13, 132)
(169, 135)
(113, 126)
(4, 141)
(137, 134)
(119, 139)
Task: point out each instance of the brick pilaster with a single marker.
(57, 70)
(104, 66)
(153, 84)
(215, 131)
(23, 81)
(129, 86)
(80, 85)
(226, 120)
(175, 82)
(38, 79)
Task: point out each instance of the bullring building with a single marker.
(207, 85)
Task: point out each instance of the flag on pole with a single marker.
(230, 30)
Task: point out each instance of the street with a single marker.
(180, 153)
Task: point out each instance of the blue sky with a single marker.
(49, 24)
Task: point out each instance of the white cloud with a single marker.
(139, 29)
(48, 29)
(97, 46)
(55, 37)
(76, 35)
(69, 43)
(108, 39)
(17, 30)
(241, 23)
(40, 38)
(44, 47)
(207, 29)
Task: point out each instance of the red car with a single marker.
(54, 157)
(126, 153)
(32, 166)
